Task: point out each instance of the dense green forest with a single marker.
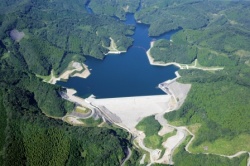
(183, 158)
(222, 42)
(167, 51)
(185, 14)
(60, 31)
(219, 102)
(56, 32)
(217, 35)
(116, 8)
(28, 135)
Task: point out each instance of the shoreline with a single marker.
(127, 112)
(77, 67)
(113, 48)
(84, 74)
(115, 52)
(181, 66)
(152, 62)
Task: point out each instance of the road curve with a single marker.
(128, 156)
(229, 156)
(154, 154)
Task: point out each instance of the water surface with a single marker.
(127, 74)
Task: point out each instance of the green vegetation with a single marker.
(28, 137)
(210, 50)
(164, 16)
(224, 146)
(168, 135)
(114, 7)
(56, 33)
(91, 122)
(219, 102)
(3, 124)
(65, 144)
(166, 51)
(2, 49)
(134, 159)
(223, 41)
(187, 14)
(142, 152)
(182, 157)
(45, 144)
(150, 127)
(35, 50)
(68, 59)
(53, 40)
(82, 110)
(28, 84)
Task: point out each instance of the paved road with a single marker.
(165, 127)
(175, 141)
(229, 156)
(172, 142)
(128, 156)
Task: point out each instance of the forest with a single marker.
(222, 42)
(219, 102)
(114, 8)
(183, 158)
(167, 51)
(186, 14)
(28, 135)
(57, 39)
(31, 129)
(59, 31)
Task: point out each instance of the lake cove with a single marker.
(127, 74)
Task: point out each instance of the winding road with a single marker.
(128, 156)
(170, 144)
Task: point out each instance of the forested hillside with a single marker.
(29, 137)
(219, 103)
(116, 8)
(37, 36)
(217, 107)
(167, 51)
(183, 158)
(186, 14)
(57, 32)
(223, 41)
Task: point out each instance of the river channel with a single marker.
(127, 74)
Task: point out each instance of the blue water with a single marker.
(127, 74)
(86, 7)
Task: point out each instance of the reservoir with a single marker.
(127, 74)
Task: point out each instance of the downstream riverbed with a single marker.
(127, 74)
